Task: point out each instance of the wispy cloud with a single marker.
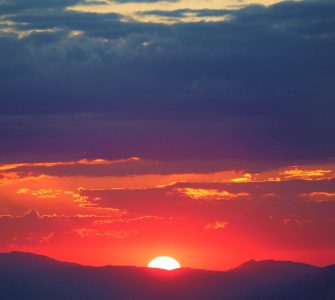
(209, 194)
(320, 197)
(216, 225)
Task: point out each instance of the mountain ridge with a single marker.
(29, 276)
(246, 263)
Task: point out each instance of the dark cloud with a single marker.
(141, 167)
(259, 86)
(65, 19)
(15, 6)
(50, 138)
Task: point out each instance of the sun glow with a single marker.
(164, 262)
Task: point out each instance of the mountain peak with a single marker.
(274, 266)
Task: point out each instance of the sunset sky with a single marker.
(197, 129)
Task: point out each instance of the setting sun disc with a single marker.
(164, 262)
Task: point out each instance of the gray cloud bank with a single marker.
(259, 86)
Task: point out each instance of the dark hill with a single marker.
(30, 276)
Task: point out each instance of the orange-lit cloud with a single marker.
(209, 194)
(144, 11)
(98, 161)
(43, 193)
(216, 225)
(306, 174)
(138, 173)
(245, 178)
(323, 194)
(92, 233)
(320, 197)
(297, 221)
(67, 192)
(47, 193)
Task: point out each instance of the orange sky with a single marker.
(128, 211)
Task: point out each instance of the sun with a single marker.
(164, 262)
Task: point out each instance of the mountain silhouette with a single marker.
(30, 276)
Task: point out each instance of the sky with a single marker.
(201, 130)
